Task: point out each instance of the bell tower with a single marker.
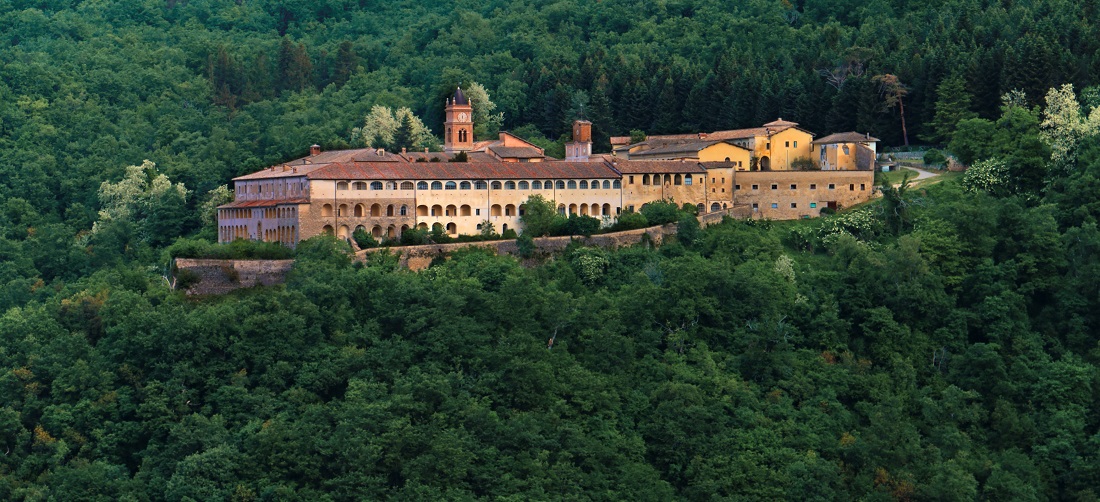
(581, 146)
(458, 127)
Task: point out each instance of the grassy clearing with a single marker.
(894, 177)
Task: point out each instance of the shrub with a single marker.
(661, 211)
(363, 239)
(581, 225)
(414, 237)
(526, 245)
(934, 157)
(630, 221)
(508, 234)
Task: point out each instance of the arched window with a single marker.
(561, 209)
(359, 210)
(584, 184)
(523, 185)
(607, 209)
(510, 210)
(465, 185)
(656, 179)
(464, 210)
(561, 185)
(606, 184)
(494, 210)
(509, 185)
(572, 209)
(699, 207)
(359, 185)
(437, 185)
(496, 185)
(423, 185)
(376, 232)
(389, 210)
(480, 185)
(584, 209)
(404, 211)
(343, 185)
(678, 180)
(391, 185)
(421, 210)
(645, 179)
(451, 210)
(406, 185)
(616, 184)
(342, 210)
(326, 210)
(572, 184)
(715, 207)
(547, 185)
(437, 210)
(376, 210)
(452, 228)
(536, 185)
(376, 185)
(327, 229)
(451, 185)
(595, 184)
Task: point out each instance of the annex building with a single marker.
(778, 171)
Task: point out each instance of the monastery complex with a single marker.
(778, 170)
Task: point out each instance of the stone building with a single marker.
(774, 170)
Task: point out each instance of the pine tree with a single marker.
(952, 105)
(403, 136)
(346, 63)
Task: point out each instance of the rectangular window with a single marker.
(768, 145)
(794, 186)
(794, 205)
(813, 205)
(631, 180)
(813, 186)
(787, 144)
(862, 186)
(687, 180)
(796, 144)
(712, 180)
(775, 186)
(736, 187)
(832, 186)
(755, 206)
(630, 208)
(756, 187)
(477, 212)
(723, 190)
(775, 205)
(723, 180)
(852, 187)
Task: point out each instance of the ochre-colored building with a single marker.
(777, 170)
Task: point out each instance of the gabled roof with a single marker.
(308, 164)
(620, 140)
(846, 137)
(673, 147)
(517, 152)
(463, 170)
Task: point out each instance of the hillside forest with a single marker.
(938, 343)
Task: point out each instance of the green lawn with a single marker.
(895, 176)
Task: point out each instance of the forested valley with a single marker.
(938, 343)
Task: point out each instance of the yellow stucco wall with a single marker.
(771, 194)
(783, 148)
(725, 152)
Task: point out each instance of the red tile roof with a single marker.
(657, 166)
(262, 203)
(463, 170)
(846, 137)
(516, 152)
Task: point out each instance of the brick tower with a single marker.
(458, 134)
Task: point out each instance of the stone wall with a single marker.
(217, 277)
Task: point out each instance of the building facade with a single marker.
(768, 169)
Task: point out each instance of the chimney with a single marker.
(315, 149)
(702, 135)
(867, 135)
(403, 151)
(425, 149)
(380, 152)
(286, 168)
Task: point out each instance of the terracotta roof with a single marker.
(620, 140)
(846, 137)
(781, 123)
(657, 166)
(291, 171)
(516, 152)
(679, 147)
(463, 170)
(262, 203)
(416, 156)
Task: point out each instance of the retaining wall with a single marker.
(216, 277)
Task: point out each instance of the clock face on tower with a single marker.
(462, 117)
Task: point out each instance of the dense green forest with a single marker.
(938, 343)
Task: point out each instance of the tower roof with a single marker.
(460, 98)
